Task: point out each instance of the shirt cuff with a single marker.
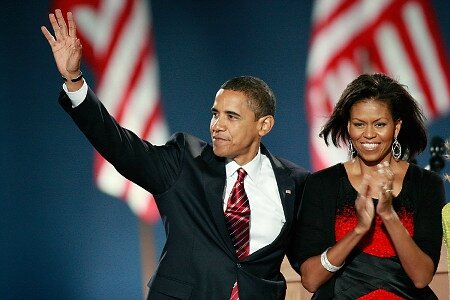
(78, 96)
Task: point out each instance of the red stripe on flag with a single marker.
(134, 77)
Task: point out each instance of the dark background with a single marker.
(61, 238)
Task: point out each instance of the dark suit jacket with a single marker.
(187, 181)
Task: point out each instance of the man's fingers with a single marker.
(72, 25)
(61, 22)
(55, 26)
(48, 35)
(60, 29)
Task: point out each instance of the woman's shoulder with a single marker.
(417, 173)
(336, 171)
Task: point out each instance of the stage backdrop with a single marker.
(60, 237)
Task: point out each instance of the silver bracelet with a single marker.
(326, 263)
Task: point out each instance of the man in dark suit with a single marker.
(215, 248)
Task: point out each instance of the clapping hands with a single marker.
(379, 185)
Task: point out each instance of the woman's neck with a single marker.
(360, 167)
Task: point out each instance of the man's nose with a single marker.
(217, 124)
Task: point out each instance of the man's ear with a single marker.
(265, 125)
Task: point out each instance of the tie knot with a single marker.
(241, 174)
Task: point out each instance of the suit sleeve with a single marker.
(154, 168)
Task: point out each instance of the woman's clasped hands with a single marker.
(375, 196)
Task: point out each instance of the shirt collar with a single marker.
(253, 167)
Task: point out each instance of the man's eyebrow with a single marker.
(230, 112)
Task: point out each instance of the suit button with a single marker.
(238, 265)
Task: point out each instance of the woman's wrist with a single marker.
(388, 215)
(361, 230)
(327, 264)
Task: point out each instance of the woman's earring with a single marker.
(351, 150)
(396, 149)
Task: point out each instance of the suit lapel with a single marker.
(214, 185)
(286, 189)
(286, 185)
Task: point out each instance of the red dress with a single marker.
(376, 242)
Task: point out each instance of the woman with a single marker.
(370, 228)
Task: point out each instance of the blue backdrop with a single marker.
(60, 238)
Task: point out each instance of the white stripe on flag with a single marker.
(428, 56)
(397, 62)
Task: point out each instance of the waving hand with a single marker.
(65, 45)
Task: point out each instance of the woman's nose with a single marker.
(369, 132)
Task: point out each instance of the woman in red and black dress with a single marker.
(370, 228)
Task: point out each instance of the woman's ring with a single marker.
(388, 191)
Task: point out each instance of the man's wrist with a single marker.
(74, 86)
(73, 78)
(76, 91)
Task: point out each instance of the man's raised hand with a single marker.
(66, 47)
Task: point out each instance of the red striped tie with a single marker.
(237, 216)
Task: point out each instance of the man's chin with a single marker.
(219, 152)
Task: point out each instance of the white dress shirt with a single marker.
(78, 96)
(266, 211)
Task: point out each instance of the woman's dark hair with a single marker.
(380, 87)
(260, 96)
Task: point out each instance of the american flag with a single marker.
(350, 37)
(118, 46)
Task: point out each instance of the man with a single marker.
(228, 208)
